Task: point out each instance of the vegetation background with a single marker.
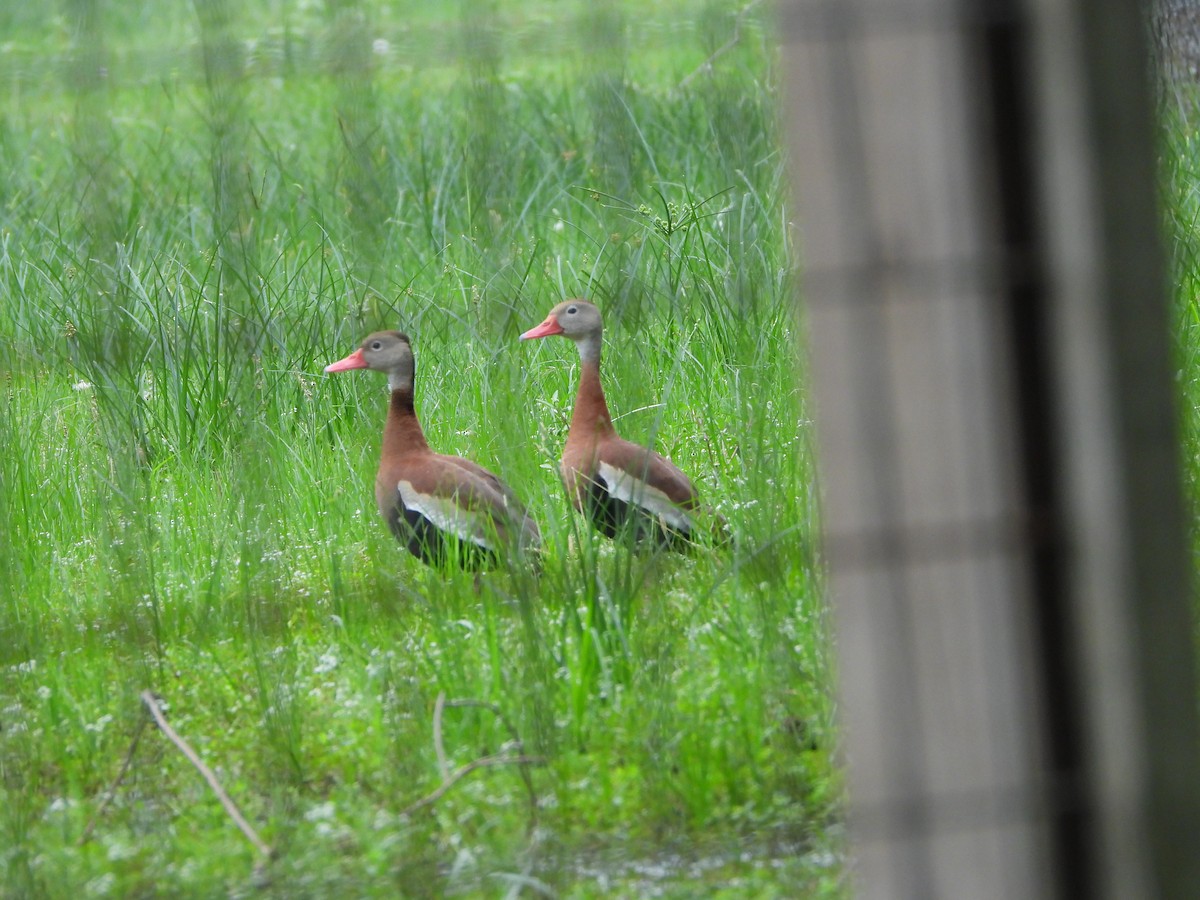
(201, 208)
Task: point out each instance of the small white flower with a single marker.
(327, 663)
(559, 226)
(98, 726)
(322, 812)
(44, 692)
(119, 850)
(380, 46)
(101, 885)
(82, 385)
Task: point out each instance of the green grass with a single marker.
(1180, 188)
(186, 501)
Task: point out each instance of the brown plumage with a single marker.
(619, 485)
(444, 509)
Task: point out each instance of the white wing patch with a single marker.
(447, 515)
(630, 489)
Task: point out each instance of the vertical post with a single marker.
(1129, 563)
(998, 511)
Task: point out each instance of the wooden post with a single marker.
(984, 293)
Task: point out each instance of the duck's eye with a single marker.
(571, 310)
(376, 345)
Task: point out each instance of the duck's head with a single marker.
(383, 351)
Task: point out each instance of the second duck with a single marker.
(619, 485)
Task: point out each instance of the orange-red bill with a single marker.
(547, 328)
(355, 360)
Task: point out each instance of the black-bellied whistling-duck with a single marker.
(444, 509)
(617, 484)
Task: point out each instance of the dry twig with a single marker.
(151, 703)
(502, 759)
(733, 41)
(449, 779)
(493, 709)
(516, 738)
(443, 764)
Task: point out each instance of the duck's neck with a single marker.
(402, 434)
(591, 411)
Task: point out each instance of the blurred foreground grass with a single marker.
(199, 211)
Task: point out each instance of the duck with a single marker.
(619, 486)
(445, 510)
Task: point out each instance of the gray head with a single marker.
(383, 351)
(578, 320)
